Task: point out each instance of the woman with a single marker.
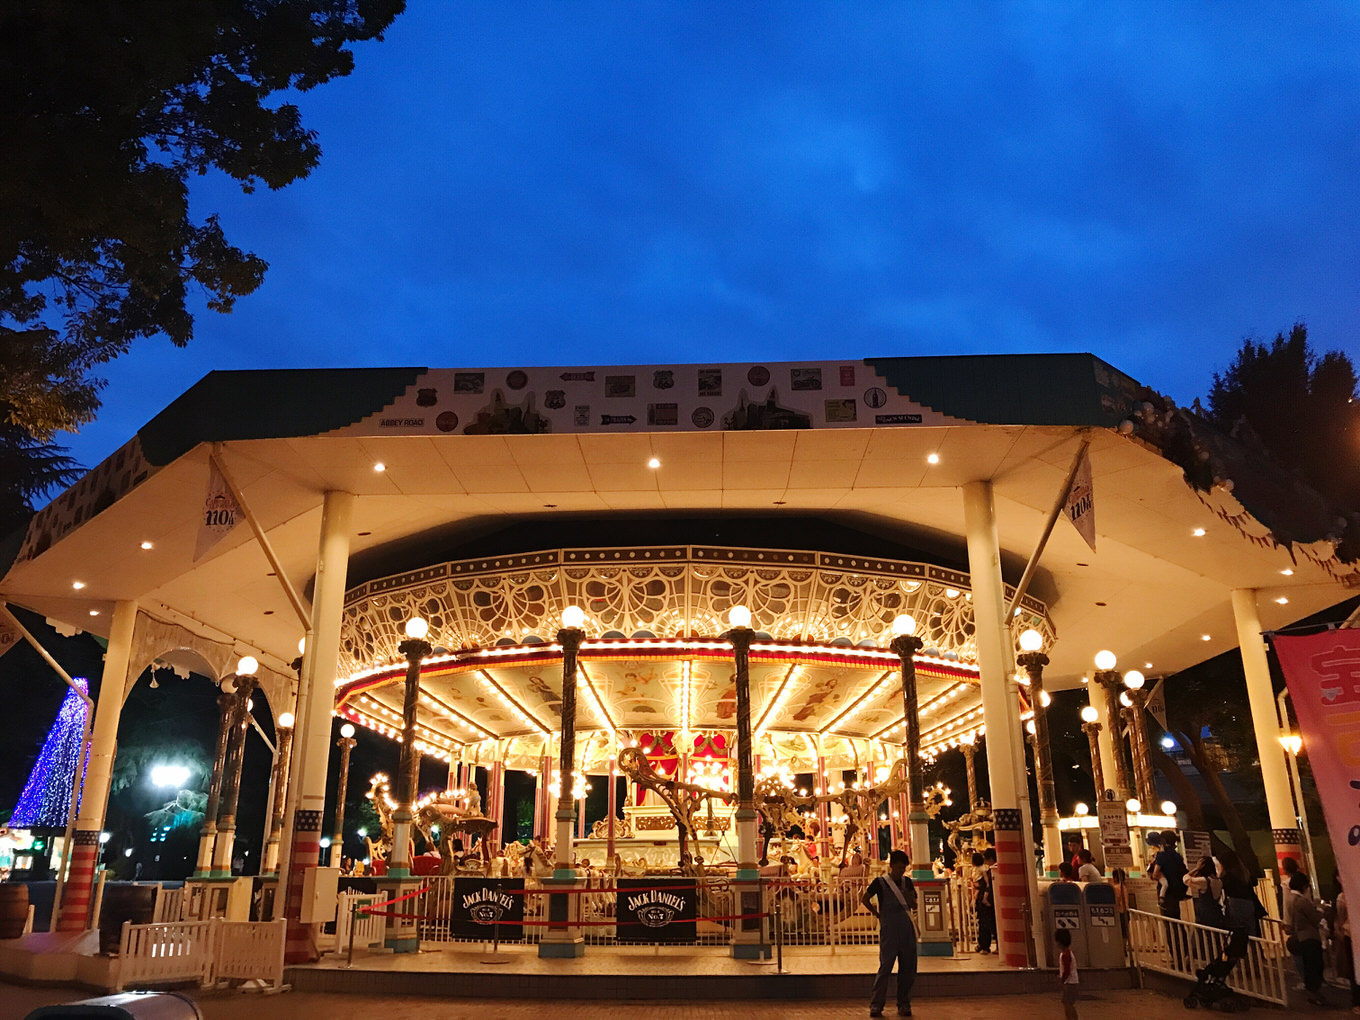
(1302, 917)
(1118, 878)
(1088, 872)
(1206, 891)
(1241, 908)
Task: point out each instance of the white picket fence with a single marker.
(368, 929)
(204, 951)
(169, 905)
(1180, 948)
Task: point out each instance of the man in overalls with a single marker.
(896, 899)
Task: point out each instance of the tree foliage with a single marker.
(110, 106)
(29, 469)
(1299, 406)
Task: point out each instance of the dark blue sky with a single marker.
(654, 183)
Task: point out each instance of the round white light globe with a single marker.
(1134, 805)
(1030, 727)
(573, 617)
(347, 730)
(286, 720)
(1089, 714)
(302, 645)
(1125, 700)
(1105, 659)
(903, 625)
(1168, 807)
(739, 616)
(1031, 641)
(247, 666)
(417, 628)
(1045, 698)
(1081, 808)
(1134, 680)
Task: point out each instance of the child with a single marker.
(1067, 972)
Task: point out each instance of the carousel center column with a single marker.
(750, 937)
(316, 703)
(1000, 712)
(564, 939)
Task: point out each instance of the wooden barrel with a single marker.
(13, 909)
(123, 902)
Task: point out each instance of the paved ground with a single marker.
(16, 1002)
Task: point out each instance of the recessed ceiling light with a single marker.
(1287, 572)
(654, 463)
(1282, 601)
(1198, 532)
(933, 458)
(147, 545)
(1205, 637)
(77, 585)
(1147, 665)
(94, 612)
(379, 466)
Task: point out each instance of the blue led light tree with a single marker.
(47, 794)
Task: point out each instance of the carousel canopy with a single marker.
(441, 456)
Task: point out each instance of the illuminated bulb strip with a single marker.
(685, 697)
(453, 714)
(514, 706)
(859, 704)
(775, 703)
(596, 703)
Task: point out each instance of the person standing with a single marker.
(984, 902)
(1302, 917)
(1169, 867)
(1067, 972)
(891, 898)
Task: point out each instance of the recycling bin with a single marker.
(1062, 909)
(1100, 917)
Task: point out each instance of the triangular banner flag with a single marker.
(9, 634)
(220, 513)
(1080, 507)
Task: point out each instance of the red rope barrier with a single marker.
(371, 908)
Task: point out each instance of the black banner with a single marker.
(649, 910)
(483, 905)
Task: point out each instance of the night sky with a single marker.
(663, 183)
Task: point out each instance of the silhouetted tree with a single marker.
(1299, 406)
(109, 106)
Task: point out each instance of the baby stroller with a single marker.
(1211, 987)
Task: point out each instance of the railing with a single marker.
(169, 905)
(202, 951)
(163, 953)
(1179, 948)
(366, 929)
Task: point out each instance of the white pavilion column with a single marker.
(1001, 714)
(1095, 694)
(1261, 698)
(316, 702)
(75, 900)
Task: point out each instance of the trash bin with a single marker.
(1104, 938)
(1062, 910)
(126, 1006)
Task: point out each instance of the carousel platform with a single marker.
(678, 974)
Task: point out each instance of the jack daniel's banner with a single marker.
(657, 910)
(483, 905)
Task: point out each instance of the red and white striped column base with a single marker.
(1288, 844)
(75, 898)
(1009, 889)
(301, 941)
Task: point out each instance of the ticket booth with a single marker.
(1100, 918)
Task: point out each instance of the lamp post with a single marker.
(1034, 660)
(1113, 684)
(245, 684)
(1133, 699)
(226, 706)
(967, 744)
(281, 764)
(1293, 744)
(346, 744)
(569, 637)
(1090, 725)
(905, 644)
(414, 649)
(740, 635)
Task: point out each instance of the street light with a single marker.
(1293, 744)
(1134, 698)
(739, 635)
(1033, 661)
(1112, 684)
(282, 766)
(346, 744)
(169, 775)
(906, 644)
(569, 637)
(413, 649)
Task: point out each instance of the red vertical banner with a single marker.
(1323, 675)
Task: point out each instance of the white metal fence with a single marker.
(202, 951)
(365, 929)
(1171, 946)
